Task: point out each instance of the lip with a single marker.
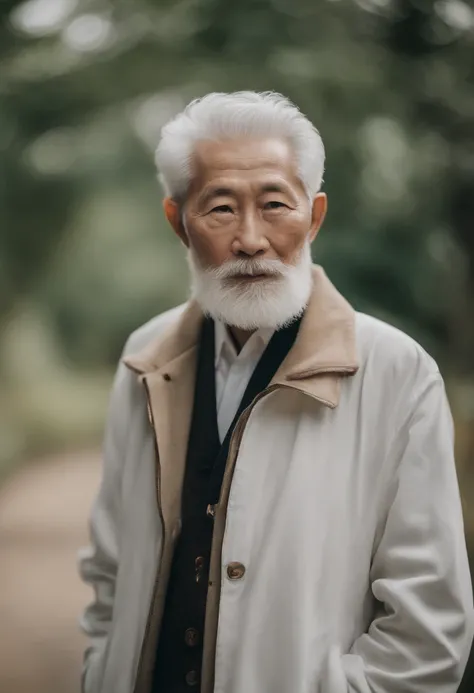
(252, 277)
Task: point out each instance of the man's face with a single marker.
(246, 201)
(248, 225)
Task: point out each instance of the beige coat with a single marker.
(339, 499)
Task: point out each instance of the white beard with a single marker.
(270, 303)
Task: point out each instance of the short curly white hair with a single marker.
(221, 116)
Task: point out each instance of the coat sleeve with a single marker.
(420, 637)
(98, 563)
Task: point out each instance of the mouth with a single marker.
(253, 278)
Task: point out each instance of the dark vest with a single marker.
(179, 655)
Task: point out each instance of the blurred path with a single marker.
(43, 521)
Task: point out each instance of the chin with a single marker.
(251, 305)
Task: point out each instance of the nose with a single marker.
(250, 240)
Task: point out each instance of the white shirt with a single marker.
(234, 370)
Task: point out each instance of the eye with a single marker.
(222, 209)
(274, 204)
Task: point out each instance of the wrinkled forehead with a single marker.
(242, 161)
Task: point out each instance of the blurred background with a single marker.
(86, 257)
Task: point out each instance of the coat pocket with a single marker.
(343, 673)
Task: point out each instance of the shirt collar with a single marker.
(223, 341)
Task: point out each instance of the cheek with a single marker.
(211, 245)
(289, 235)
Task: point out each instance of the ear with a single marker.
(173, 215)
(320, 206)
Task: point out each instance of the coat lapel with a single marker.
(167, 366)
(325, 348)
(171, 399)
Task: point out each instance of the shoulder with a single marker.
(391, 355)
(126, 386)
(151, 330)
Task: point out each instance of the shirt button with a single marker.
(192, 678)
(235, 570)
(191, 637)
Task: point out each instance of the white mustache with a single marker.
(236, 268)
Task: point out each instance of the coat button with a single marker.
(191, 637)
(235, 570)
(192, 678)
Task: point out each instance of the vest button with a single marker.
(192, 678)
(198, 568)
(235, 570)
(191, 637)
(211, 511)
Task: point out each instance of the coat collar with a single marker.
(324, 349)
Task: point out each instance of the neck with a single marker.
(239, 336)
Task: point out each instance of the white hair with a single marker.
(220, 116)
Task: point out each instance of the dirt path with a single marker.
(43, 521)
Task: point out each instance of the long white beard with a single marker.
(269, 303)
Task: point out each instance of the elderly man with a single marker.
(279, 510)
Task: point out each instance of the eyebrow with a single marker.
(216, 192)
(274, 188)
(283, 189)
